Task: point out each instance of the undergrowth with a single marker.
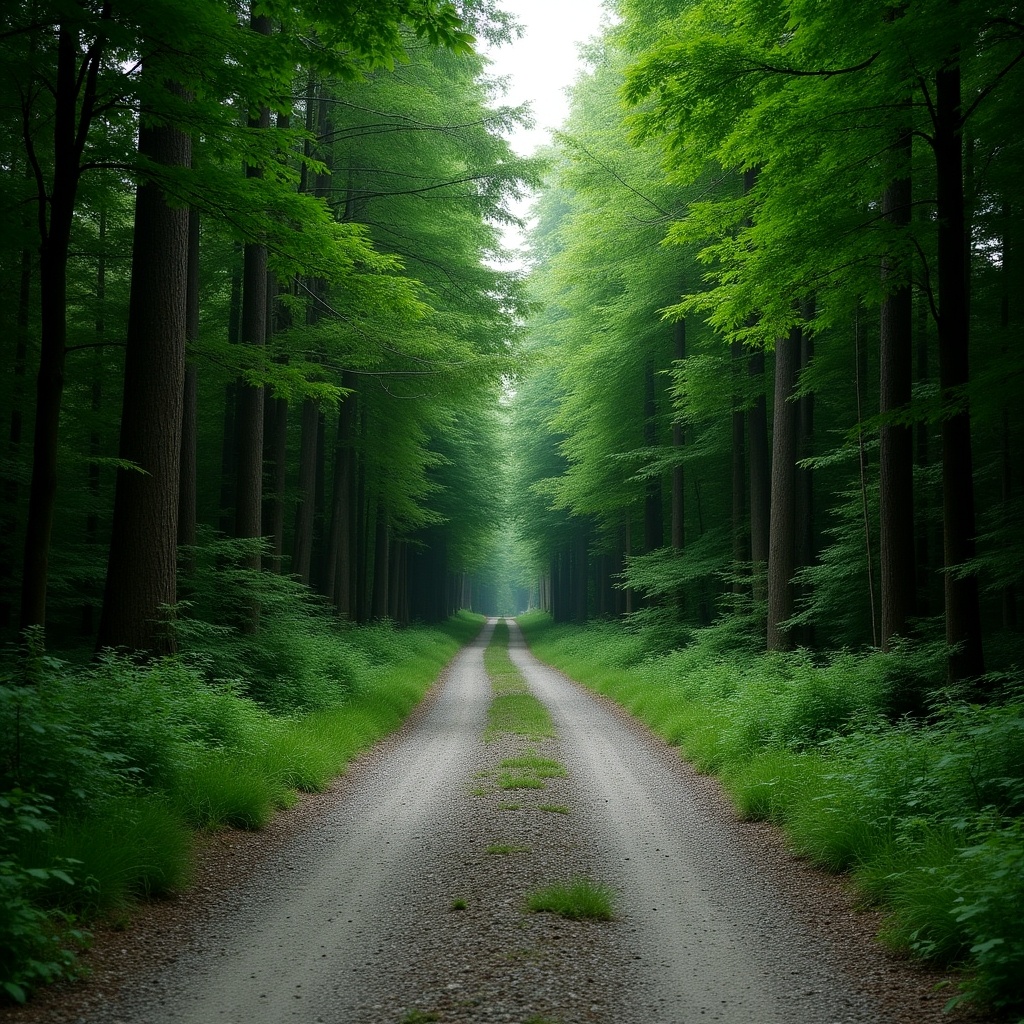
(865, 760)
(108, 769)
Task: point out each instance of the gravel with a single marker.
(342, 910)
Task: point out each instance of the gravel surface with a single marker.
(342, 911)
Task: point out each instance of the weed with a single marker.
(420, 1017)
(503, 849)
(509, 807)
(554, 808)
(579, 899)
(519, 782)
(532, 763)
(458, 904)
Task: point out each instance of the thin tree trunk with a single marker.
(963, 614)
(249, 418)
(188, 487)
(896, 448)
(740, 522)
(782, 536)
(760, 480)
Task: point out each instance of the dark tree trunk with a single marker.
(188, 490)
(74, 99)
(1009, 592)
(896, 440)
(806, 547)
(740, 521)
(305, 508)
(249, 416)
(678, 476)
(381, 573)
(760, 479)
(654, 525)
(92, 521)
(963, 615)
(141, 573)
(782, 538)
(229, 433)
(339, 546)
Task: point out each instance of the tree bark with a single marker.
(760, 479)
(249, 415)
(898, 576)
(963, 615)
(740, 522)
(142, 568)
(74, 104)
(188, 486)
(782, 536)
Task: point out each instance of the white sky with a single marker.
(543, 62)
(540, 66)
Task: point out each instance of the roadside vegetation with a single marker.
(108, 769)
(915, 791)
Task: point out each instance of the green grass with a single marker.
(554, 808)
(531, 763)
(458, 904)
(504, 849)
(926, 811)
(507, 781)
(509, 807)
(578, 900)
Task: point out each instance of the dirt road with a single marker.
(352, 922)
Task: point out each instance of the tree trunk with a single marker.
(740, 522)
(55, 240)
(305, 508)
(188, 489)
(381, 574)
(141, 572)
(782, 537)
(654, 525)
(678, 476)
(760, 479)
(896, 448)
(963, 615)
(249, 417)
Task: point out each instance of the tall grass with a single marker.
(864, 761)
(106, 770)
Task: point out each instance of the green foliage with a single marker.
(131, 756)
(36, 942)
(579, 900)
(923, 808)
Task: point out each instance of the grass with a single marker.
(514, 709)
(506, 781)
(924, 809)
(509, 807)
(554, 808)
(531, 763)
(577, 900)
(128, 760)
(458, 904)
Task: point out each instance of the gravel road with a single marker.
(347, 915)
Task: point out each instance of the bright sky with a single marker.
(541, 65)
(544, 62)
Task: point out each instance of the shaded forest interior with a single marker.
(276, 392)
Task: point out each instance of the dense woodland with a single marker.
(275, 393)
(777, 355)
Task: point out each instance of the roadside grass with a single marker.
(579, 899)
(864, 761)
(107, 770)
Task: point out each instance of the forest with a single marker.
(281, 411)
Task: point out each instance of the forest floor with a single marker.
(398, 897)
